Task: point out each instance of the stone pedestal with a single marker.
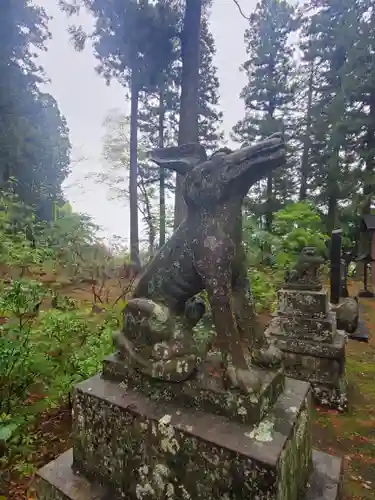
(135, 438)
(304, 327)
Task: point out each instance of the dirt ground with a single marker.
(351, 435)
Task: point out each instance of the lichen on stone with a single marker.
(263, 432)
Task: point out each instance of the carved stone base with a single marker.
(316, 330)
(306, 303)
(136, 446)
(205, 390)
(57, 481)
(323, 365)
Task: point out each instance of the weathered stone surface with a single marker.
(335, 350)
(313, 368)
(205, 390)
(305, 273)
(325, 482)
(57, 481)
(314, 350)
(204, 253)
(303, 303)
(347, 314)
(317, 330)
(332, 395)
(144, 449)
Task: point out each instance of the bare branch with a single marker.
(240, 10)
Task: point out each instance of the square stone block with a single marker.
(57, 481)
(139, 448)
(313, 368)
(300, 327)
(324, 350)
(303, 303)
(204, 390)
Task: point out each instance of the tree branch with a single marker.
(240, 10)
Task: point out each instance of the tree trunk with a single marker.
(332, 213)
(368, 183)
(269, 204)
(133, 177)
(307, 139)
(162, 171)
(188, 125)
(333, 190)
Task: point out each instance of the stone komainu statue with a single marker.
(305, 273)
(204, 253)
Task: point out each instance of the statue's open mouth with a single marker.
(255, 161)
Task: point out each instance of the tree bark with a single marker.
(162, 171)
(188, 124)
(269, 204)
(133, 177)
(368, 184)
(307, 139)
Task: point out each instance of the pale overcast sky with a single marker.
(85, 100)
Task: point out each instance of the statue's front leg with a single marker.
(215, 270)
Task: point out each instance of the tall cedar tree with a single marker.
(133, 42)
(268, 92)
(331, 35)
(159, 112)
(188, 122)
(34, 140)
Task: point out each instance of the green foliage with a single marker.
(19, 303)
(16, 227)
(71, 239)
(34, 141)
(298, 225)
(43, 356)
(263, 289)
(294, 227)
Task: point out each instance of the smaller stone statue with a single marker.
(305, 273)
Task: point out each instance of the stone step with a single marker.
(136, 446)
(57, 481)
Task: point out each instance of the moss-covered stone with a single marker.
(301, 327)
(304, 328)
(206, 390)
(145, 450)
(57, 481)
(303, 303)
(333, 350)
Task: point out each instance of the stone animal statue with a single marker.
(305, 273)
(204, 253)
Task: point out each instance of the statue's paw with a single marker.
(172, 349)
(267, 357)
(247, 381)
(176, 369)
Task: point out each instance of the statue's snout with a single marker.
(251, 163)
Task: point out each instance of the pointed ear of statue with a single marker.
(180, 159)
